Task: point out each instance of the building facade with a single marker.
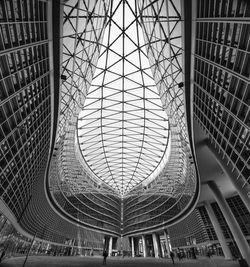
(112, 133)
(221, 120)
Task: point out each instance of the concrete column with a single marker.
(47, 247)
(167, 243)
(156, 245)
(72, 247)
(136, 245)
(162, 246)
(159, 245)
(110, 246)
(231, 221)
(144, 246)
(132, 246)
(218, 231)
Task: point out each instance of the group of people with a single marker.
(179, 255)
(172, 255)
(209, 254)
(105, 255)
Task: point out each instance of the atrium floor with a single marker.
(50, 261)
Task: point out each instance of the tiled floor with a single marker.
(50, 261)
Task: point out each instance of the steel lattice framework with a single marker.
(83, 26)
(122, 137)
(162, 25)
(123, 130)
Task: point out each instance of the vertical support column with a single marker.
(72, 247)
(137, 245)
(158, 239)
(47, 248)
(162, 246)
(167, 243)
(144, 246)
(156, 245)
(232, 223)
(218, 231)
(132, 247)
(110, 246)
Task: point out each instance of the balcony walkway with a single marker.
(96, 261)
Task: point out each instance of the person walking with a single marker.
(172, 256)
(208, 254)
(105, 255)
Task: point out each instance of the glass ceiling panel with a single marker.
(123, 131)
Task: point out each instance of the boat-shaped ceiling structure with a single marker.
(123, 160)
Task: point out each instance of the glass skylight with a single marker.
(123, 131)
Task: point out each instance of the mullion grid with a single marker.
(222, 139)
(14, 80)
(222, 92)
(223, 53)
(207, 223)
(157, 204)
(236, 97)
(227, 102)
(13, 108)
(165, 211)
(240, 212)
(78, 205)
(223, 223)
(17, 27)
(29, 172)
(225, 8)
(76, 210)
(77, 172)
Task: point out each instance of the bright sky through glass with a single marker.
(123, 131)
